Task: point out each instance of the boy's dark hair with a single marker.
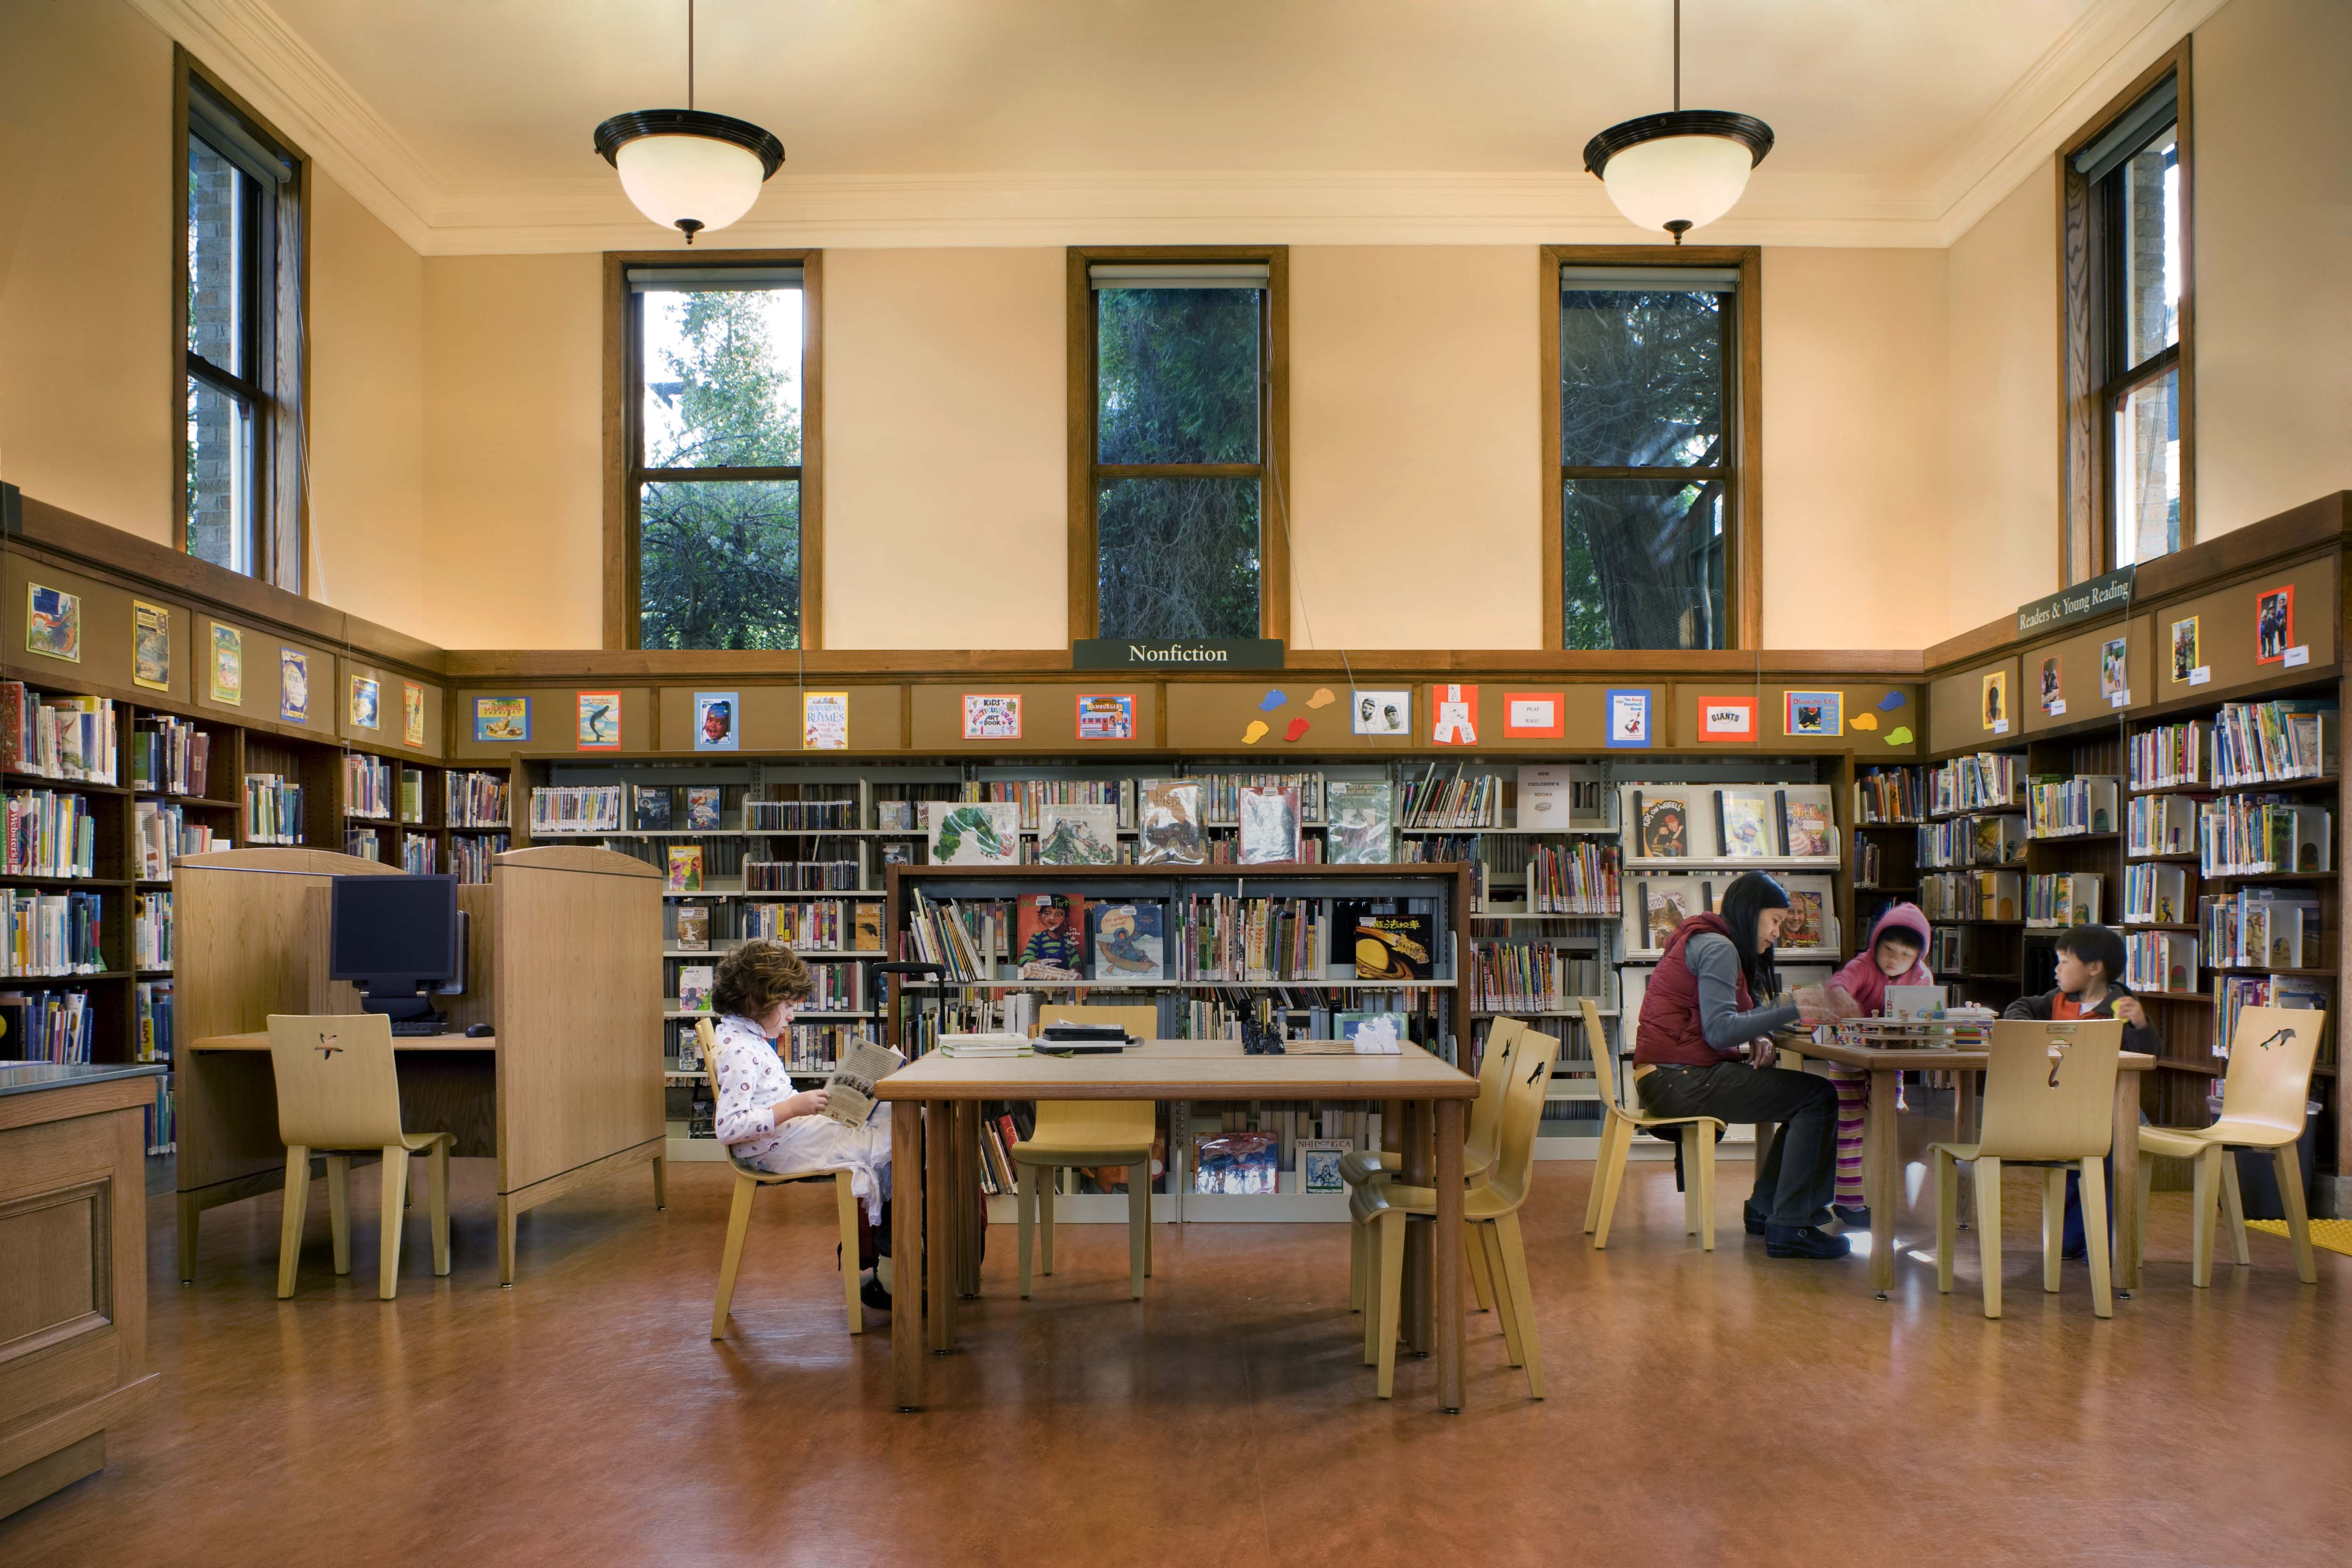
(1904, 935)
(1748, 897)
(756, 977)
(2095, 944)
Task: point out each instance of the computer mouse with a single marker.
(479, 1031)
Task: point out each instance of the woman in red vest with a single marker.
(1699, 1012)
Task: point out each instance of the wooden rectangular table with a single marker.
(1881, 1158)
(935, 1158)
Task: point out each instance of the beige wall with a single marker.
(1855, 500)
(946, 493)
(86, 366)
(1415, 493)
(513, 452)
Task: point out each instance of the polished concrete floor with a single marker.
(1722, 1409)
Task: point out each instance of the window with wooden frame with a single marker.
(240, 273)
(711, 450)
(1650, 381)
(2127, 329)
(1179, 440)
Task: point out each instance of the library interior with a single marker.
(1224, 734)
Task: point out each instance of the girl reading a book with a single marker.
(1891, 958)
(1712, 996)
(768, 1123)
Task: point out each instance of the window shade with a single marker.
(1179, 275)
(1596, 280)
(706, 279)
(2132, 130)
(211, 121)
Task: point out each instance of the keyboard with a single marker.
(402, 1028)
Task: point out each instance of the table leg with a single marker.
(939, 1225)
(191, 1209)
(906, 1236)
(1448, 1248)
(2125, 1195)
(975, 1216)
(1879, 1156)
(1415, 1307)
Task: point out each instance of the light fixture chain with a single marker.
(689, 55)
(1678, 57)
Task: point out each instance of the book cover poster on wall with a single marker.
(1362, 816)
(2053, 702)
(2111, 669)
(1169, 818)
(227, 675)
(1049, 935)
(366, 703)
(1127, 941)
(1077, 834)
(1106, 715)
(1726, 719)
(1629, 716)
(53, 623)
(824, 721)
(502, 719)
(1820, 713)
(2186, 649)
(1535, 715)
(1454, 715)
(411, 714)
(972, 833)
(1995, 702)
(293, 686)
(992, 715)
(1379, 713)
(597, 720)
(2273, 624)
(150, 646)
(716, 718)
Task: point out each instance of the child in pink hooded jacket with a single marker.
(1891, 958)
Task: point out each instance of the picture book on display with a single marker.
(1127, 942)
(649, 807)
(1664, 819)
(1077, 834)
(1391, 946)
(1362, 822)
(1049, 935)
(1666, 902)
(702, 806)
(1747, 824)
(972, 833)
(1806, 829)
(694, 988)
(1168, 817)
(1319, 1164)
(1268, 823)
(1237, 1164)
(866, 928)
(686, 867)
(693, 928)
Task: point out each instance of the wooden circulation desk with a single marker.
(567, 1088)
(935, 1160)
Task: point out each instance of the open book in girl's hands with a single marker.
(849, 1092)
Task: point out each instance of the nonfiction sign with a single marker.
(2106, 595)
(1176, 653)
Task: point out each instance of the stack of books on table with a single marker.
(997, 1044)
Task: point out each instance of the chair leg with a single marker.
(2054, 1224)
(1489, 1243)
(2095, 1236)
(2233, 1209)
(1025, 1214)
(845, 1205)
(338, 1208)
(1049, 1178)
(289, 1229)
(1608, 1124)
(1482, 1283)
(1611, 1173)
(1370, 1230)
(1523, 1299)
(2298, 1214)
(1948, 1217)
(396, 1208)
(1139, 1225)
(1690, 1178)
(739, 1226)
(1988, 1184)
(2205, 1197)
(437, 1202)
(2146, 1185)
(1357, 1253)
(1391, 1288)
(1706, 1190)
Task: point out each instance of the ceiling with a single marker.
(465, 123)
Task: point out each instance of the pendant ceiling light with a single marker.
(688, 169)
(1682, 170)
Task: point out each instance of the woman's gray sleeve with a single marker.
(1715, 967)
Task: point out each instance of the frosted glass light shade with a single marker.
(688, 169)
(1681, 171)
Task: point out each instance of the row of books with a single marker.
(1980, 782)
(164, 832)
(1222, 795)
(825, 925)
(2246, 834)
(2156, 894)
(2064, 898)
(2233, 993)
(1997, 840)
(1891, 796)
(49, 933)
(2160, 824)
(1663, 903)
(1531, 976)
(833, 988)
(1952, 949)
(2064, 806)
(790, 875)
(1030, 795)
(1224, 938)
(665, 808)
(558, 809)
(171, 755)
(51, 833)
(150, 929)
(162, 1119)
(376, 788)
(1673, 822)
(1580, 879)
(414, 850)
(47, 1026)
(798, 815)
(273, 809)
(151, 1002)
(475, 799)
(2273, 743)
(470, 854)
(2261, 928)
(2160, 961)
(2170, 756)
(1439, 800)
(57, 737)
(804, 1047)
(1971, 896)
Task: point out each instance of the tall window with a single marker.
(239, 398)
(1646, 533)
(2131, 399)
(1175, 531)
(715, 413)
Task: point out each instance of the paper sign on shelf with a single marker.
(2120, 699)
(2057, 707)
(2200, 675)
(2299, 654)
(2000, 726)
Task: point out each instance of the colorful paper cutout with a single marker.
(1891, 701)
(1255, 733)
(1322, 698)
(1864, 721)
(1295, 728)
(1899, 736)
(1275, 698)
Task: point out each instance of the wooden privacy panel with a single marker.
(770, 717)
(1955, 715)
(1863, 719)
(579, 1009)
(1216, 716)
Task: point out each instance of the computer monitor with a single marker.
(396, 938)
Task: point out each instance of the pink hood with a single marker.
(1862, 979)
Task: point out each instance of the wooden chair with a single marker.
(1491, 1213)
(339, 1093)
(2262, 1108)
(2049, 1101)
(1090, 1132)
(1619, 1127)
(1361, 1165)
(749, 1180)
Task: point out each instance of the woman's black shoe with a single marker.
(1755, 1220)
(1803, 1241)
(873, 1295)
(1854, 1217)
